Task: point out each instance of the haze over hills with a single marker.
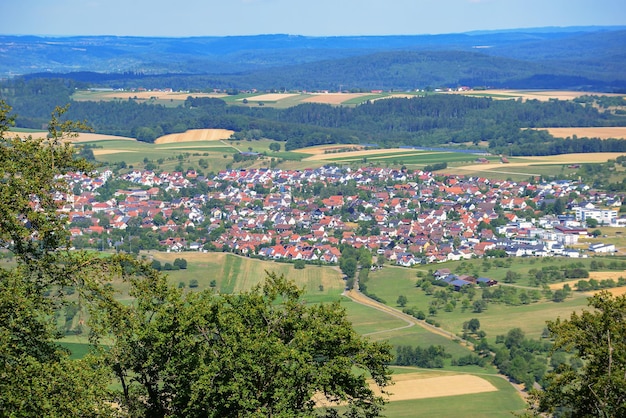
(575, 58)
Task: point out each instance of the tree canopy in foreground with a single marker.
(598, 338)
(259, 353)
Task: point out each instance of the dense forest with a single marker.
(584, 58)
(433, 119)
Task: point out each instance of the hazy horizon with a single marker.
(323, 18)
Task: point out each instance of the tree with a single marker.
(598, 339)
(181, 263)
(473, 325)
(402, 301)
(37, 377)
(348, 266)
(479, 306)
(591, 223)
(258, 353)
(275, 146)
(173, 353)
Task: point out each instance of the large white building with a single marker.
(606, 217)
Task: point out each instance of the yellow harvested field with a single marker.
(270, 97)
(594, 157)
(323, 149)
(412, 386)
(395, 96)
(541, 95)
(355, 154)
(193, 135)
(332, 98)
(190, 256)
(109, 151)
(603, 275)
(597, 132)
(419, 386)
(617, 291)
(82, 137)
(597, 275)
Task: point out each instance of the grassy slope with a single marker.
(234, 273)
(390, 282)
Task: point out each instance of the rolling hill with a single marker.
(573, 58)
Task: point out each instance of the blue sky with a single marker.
(297, 17)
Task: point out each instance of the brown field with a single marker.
(354, 154)
(332, 98)
(82, 137)
(270, 97)
(196, 135)
(596, 132)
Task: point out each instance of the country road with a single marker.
(360, 298)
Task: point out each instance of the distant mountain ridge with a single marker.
(580, 58)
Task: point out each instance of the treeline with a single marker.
(431, 357)
(433, 119)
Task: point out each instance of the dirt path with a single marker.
(358, 297)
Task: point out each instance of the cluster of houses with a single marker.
(410, 216)
(460, 281)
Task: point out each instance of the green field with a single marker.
(324, 284)
(218, 155)
(497, 319)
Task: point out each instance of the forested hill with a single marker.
(590, 58)
(434, 119)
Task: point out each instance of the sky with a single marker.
(182, 18)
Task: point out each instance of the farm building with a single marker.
(602, 248)
(486, 281)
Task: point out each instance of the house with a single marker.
(440, 273)
(406, 260)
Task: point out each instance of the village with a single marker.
(403, 217)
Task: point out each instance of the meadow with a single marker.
(417, 389)
(477, 391)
